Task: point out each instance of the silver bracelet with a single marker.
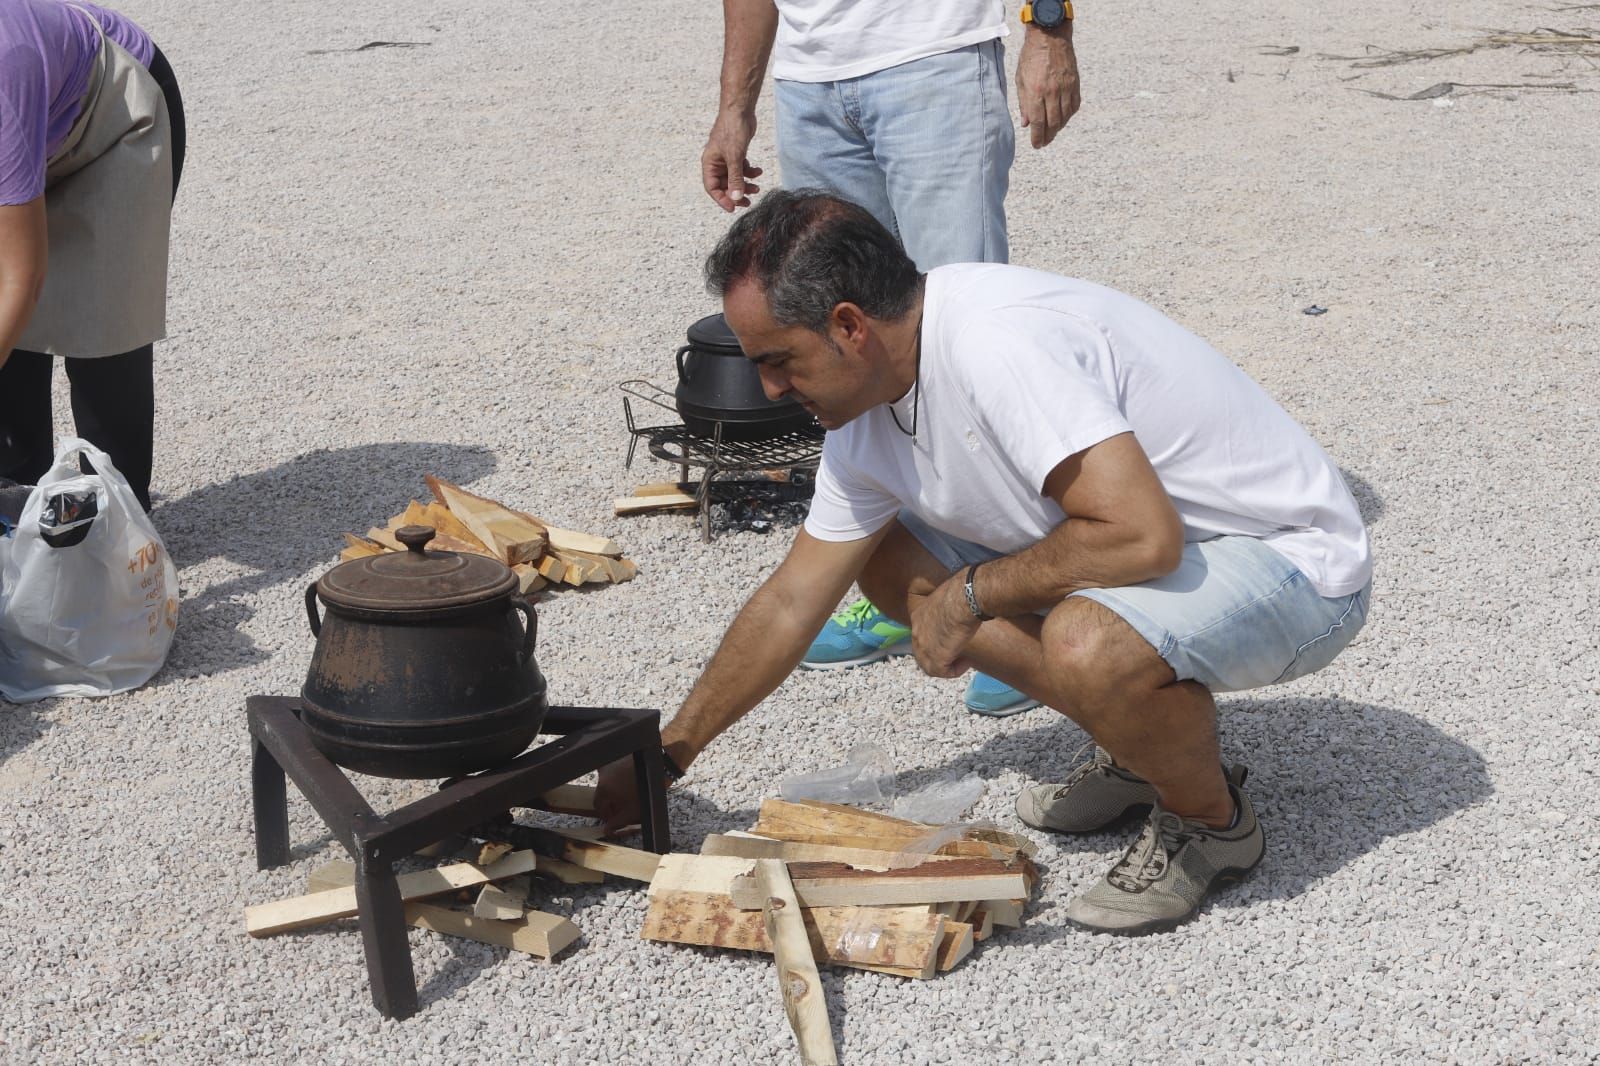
(972, 597)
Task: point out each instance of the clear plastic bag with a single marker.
(865, 780)
(941, 802)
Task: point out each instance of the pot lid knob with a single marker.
(415, 538)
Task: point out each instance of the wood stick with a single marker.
(301, 912)
(567, 873)
(798, 981)
(677, 501)
(615, 859)
(862, 858)
(570, 799)
(957, 945)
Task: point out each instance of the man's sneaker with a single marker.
(859, 634)
(1097, 793)
(990, 696)
(1161, 880)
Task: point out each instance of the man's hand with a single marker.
(616, 796)
(724, 168)
(941, 629)
(1047, 82)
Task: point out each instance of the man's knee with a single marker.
(1096, 657)
(899, 571)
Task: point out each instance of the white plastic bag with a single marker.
(93, 618)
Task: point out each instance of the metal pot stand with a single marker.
(676, 443)
(281, 749)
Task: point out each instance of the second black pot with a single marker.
(717, 384)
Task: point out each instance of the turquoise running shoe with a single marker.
(992, 697)
(859, 634)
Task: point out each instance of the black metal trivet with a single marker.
(280, 745)
(791, 452)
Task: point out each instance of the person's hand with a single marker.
(942, 628)
(724, 168)
(1047, 84)
(616, 796)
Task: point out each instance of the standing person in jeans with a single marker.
(901, 109)
(91, 148)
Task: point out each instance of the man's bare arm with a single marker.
(1121, 529)
(1047, 82)
(749, 28)
(24, 257)
(762, 647)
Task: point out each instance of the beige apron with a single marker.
(108, 203)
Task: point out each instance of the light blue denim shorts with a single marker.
(1234, 615)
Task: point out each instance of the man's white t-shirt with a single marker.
(1022, 369)
(828, 40)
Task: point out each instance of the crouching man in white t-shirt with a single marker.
(1054, 483)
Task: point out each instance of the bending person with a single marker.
(91, 148)
(1054, 483)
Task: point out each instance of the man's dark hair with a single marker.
(809, 251)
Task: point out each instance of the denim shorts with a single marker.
(925, 146)
(1234, 615)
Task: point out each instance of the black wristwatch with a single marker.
(671, 770)
(1047, 14)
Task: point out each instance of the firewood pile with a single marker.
(824, 883)
(875, 892)
(539, 553)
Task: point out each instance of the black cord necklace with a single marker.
(916, 399)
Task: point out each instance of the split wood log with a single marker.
(529, 580)
(360, 547)
(515, 537)
(801, 986)
(982, 925)
(838, 885)
(535, 933)
(552, 569)
(572, 540)
(666, 488)
(1006, 912)
(301, 912)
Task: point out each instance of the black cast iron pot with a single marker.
(422, 667)
(717, 384)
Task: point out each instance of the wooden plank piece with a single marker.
(632, 505)
(956, 945)
(837, 885)
(494, 902)
(570, 799)
(798, 981)
(760, 848)
(301, 912)
(896, 938)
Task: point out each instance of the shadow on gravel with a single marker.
(1367, 499)
(278, 523)
(20, 726)
(1331, 779)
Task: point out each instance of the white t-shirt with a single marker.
(1022, 369)
(827, 40)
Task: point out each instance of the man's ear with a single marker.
(848, 324)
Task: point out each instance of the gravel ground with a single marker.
(444, 258)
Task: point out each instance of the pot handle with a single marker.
(311, 609)
(682, 378)
(530, 628)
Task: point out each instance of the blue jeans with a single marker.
(925, 146)
(1235, 615)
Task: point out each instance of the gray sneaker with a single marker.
(1161, 880)
(1097, 793)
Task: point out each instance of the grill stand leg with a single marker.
(269, 799)
(383, 936)
(651, 782)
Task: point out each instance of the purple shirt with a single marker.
(47, 53)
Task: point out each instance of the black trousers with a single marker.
(113, 399)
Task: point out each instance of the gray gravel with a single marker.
(444, 258)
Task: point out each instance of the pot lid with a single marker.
(713, 332)
(416, 579)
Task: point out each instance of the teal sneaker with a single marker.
(992, 697)
(859, 634)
